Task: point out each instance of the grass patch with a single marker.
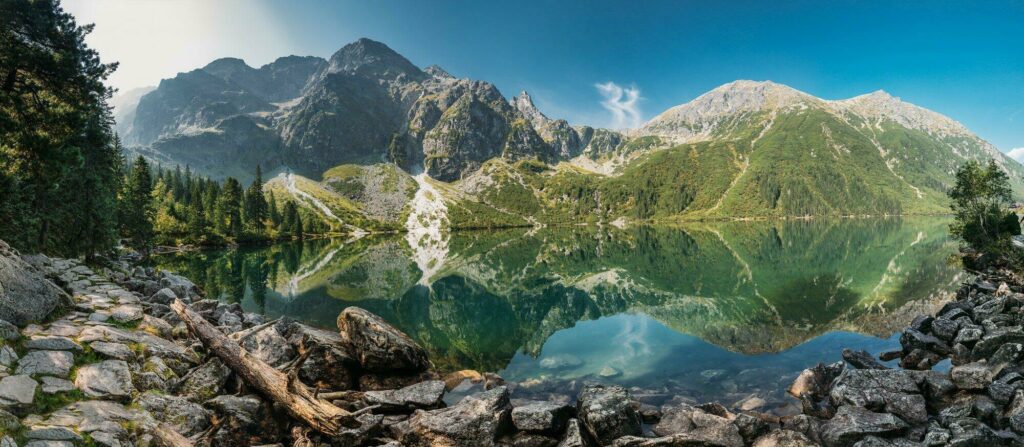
(45, 403)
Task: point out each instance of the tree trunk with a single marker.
(285, 390)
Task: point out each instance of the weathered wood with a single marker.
(287, 391)
(168, 437)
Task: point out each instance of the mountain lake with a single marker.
(728, 312)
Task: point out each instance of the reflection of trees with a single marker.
(746, 286)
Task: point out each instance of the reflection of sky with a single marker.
(647, 353)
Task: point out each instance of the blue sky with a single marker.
(962, 59)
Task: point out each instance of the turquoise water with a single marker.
(724, 311)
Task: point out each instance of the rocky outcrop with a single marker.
(26, 296)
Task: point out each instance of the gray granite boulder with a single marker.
(26, 295)
(50, 363)
(477, 420)
(852, 423)
(377, 345)
(607, 413)
(424, 395)
(541, 417)
(109, 379)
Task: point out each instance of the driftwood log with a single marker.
(283, 389)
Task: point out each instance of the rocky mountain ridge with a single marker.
(744, 149)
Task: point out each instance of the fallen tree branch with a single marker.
(296, 397)
(168, 437)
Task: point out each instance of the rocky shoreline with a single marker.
(105, 357)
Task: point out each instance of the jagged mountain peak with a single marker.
(524, 103)
(438, 72)
(370, 58)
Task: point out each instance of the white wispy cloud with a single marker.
(622, 102)
(1017, 154)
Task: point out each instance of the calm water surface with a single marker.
(723, 312)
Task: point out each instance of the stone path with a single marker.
(66, 382)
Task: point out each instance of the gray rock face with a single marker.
(164, 296)
(54, 385)
(8, 331)
(377, 345)
(895, 391)
(53, 344)
(477, 420)
(607, 413)
(51, 363)
(574, 435)
(180, 285)
(685, 423)
(424, 395)
(25, 294)
(270, 346)
(852, 423)
(109, 379)
(330, 364)
(784, 438)
(974, 376)
(17, 390)
(116, 351)
(206, 381)
(188, 418)
(245, 420)
(541, 417)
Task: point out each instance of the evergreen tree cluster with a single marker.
(181, 207)
(60, 162)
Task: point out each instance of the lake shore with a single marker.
(114, 364)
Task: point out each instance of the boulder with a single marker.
(269, 345)
(477, 420)
(26, 295)
(180, 285)
(329, 364)
(607, 413)
(574, 435)
(424, 395)
(163, 296)
(53, 385)
(862, 360)
(541, 417)
(205, 381)
(53, 344)
(975, 375)
(245, 420)
(685, 423)
(377, 345)
(109, 379)
(852, 423)
(51, 363)
(784, 438)
(17, 391)
(8, 331)
(187, 418)
(894, 391)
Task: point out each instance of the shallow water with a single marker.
(725, 312)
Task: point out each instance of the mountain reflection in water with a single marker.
(716, 311)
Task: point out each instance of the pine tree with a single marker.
(55, 133)
(275, 214)
(255, 203)
(229, 214)
(136, 208)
